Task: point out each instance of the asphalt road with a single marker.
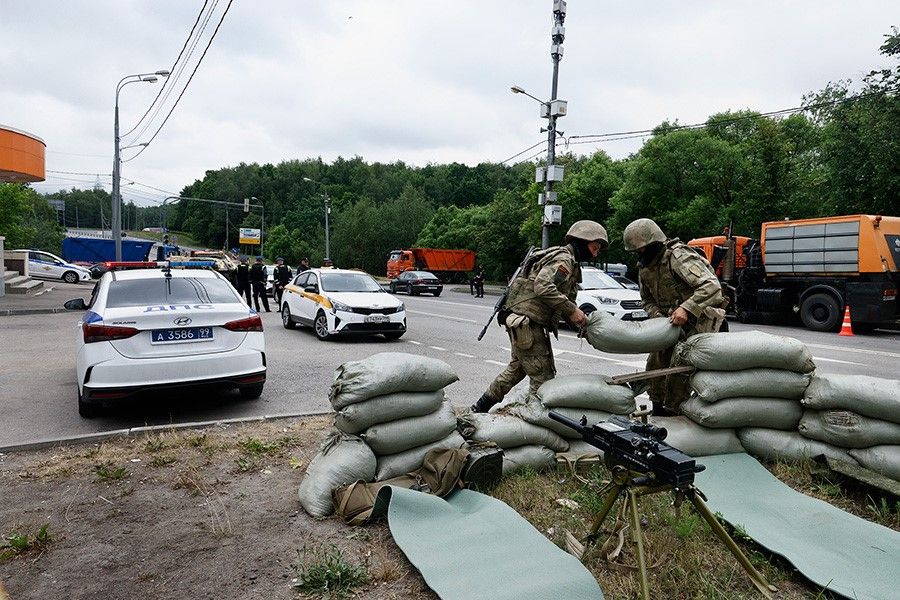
(37, 374)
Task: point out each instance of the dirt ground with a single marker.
(187, 514)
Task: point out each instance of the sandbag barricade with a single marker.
(609, 333)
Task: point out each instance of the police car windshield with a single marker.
(349, 282)
(178, 290)
(598, 280)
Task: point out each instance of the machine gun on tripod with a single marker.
(641, 464)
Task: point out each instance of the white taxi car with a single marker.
(150, 328)
(49, 266)
(599, 291)
(339, 301)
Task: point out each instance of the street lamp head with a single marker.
(516, 90)
(149, 79)
(308, 179)
(163, 72)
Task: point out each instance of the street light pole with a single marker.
(327, 213)
(116, 172)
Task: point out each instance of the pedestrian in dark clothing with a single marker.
(472, 283)
(242, 279)
(281, 278)
(304, 266)
(479, 282)
(258, 278)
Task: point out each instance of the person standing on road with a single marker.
(678, 283)
(258, 278)
(327, 264)
(479, 281)
(304, 265)
(281, 278)
(540, 297)
(242, 279)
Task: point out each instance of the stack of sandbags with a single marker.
(395, 403)
(751, 382)
(860, 415)
(575, 396)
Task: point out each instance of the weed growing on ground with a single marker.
(255, 447)
(154, 443)
(108, 472)
(197, 441)
(325, 571)
(17, 543)
(162, 461)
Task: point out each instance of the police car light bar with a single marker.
(160, 264)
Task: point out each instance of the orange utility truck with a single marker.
(813, 268)
(450, 266)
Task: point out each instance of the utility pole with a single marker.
(554, 109)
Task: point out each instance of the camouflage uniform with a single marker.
(538, 299)
(679, 277)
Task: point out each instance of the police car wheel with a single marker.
(251, 392)
(86, 409)
(70, 277)
(286, 318)
(320, 326)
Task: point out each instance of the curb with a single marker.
(116, 433)
(14, 312)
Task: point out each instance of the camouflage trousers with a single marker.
(531, 356)
(672, 390)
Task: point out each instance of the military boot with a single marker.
(484, 404)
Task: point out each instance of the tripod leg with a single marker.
(638, 534)
(755, 576)
(608, 501)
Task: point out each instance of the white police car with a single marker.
(49, 266)
(339, 301)
(599, 291)
(148, 328)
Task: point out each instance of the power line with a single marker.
(216, 31)
(172, 70)
(521, 153)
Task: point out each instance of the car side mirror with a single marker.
(313, 288)
(76, 304)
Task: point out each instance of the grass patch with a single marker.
(17, 543)
(108, 472)
(256, 447)
(327, 572)
(162, 460)
(154, 443)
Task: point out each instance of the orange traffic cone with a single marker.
(847, 327)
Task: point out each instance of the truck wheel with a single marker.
(821, 312)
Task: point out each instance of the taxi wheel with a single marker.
(394, 335)
(437, 293)
(87, 410)
(286, 318)
(70, 277)
(251, 392)
(320, 326)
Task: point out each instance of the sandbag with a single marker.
(386, 373)
(872, 397)
(390, 407)
(342, 459)
(881, 459)
(696, 440)
(787, 445)
(711, 386)
(743, 350)
(538, 458)
(582, 448)
(587, 391)
(403, 434)
(508, 431)
(773, 413)
(392, 465)
(848, 429)
(537, 414)
(609, 333)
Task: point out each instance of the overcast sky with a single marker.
(418, 81)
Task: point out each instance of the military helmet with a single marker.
(642, 232)
(589, 231)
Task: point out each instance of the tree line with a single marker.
(840, 154)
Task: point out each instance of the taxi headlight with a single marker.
(607, 301)
(401, 308)
(340, 306)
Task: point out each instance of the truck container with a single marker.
(813, 268)
(93, 250)
(450, 266)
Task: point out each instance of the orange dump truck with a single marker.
(813, 268)
(450, 266)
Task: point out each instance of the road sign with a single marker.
(249, 236)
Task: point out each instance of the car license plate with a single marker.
(375, 319)
(639, 314)
(178, 336)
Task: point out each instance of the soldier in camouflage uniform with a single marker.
(679, 283)
(539, 298)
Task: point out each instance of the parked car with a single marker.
(625, 282)
(599, 291)
(417, 282)
(341, 301)
(153, 328)
(49, 266)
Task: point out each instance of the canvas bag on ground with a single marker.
(587, 391)
(537, 414)
(696, 440)
(711, 386)
(397, 436)
(870, 396)
(773, 413)
(608, 333)
(881, 459)
(342, 459)
(390, 407)
(787, 445)
(743, 350)
(508, 431)
(848, 429)
(391, 465)
(538, 458)
(386, 373)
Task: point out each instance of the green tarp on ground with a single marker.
(832, 548)
(471, 546)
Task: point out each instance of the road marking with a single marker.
(419, 312)
(414, 342)
(461, 304)
(464, 355)
(834, 360)
(857, 350)
(438, 348)
(496, 362)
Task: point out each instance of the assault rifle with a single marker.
(502, 300)
(638, 447)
